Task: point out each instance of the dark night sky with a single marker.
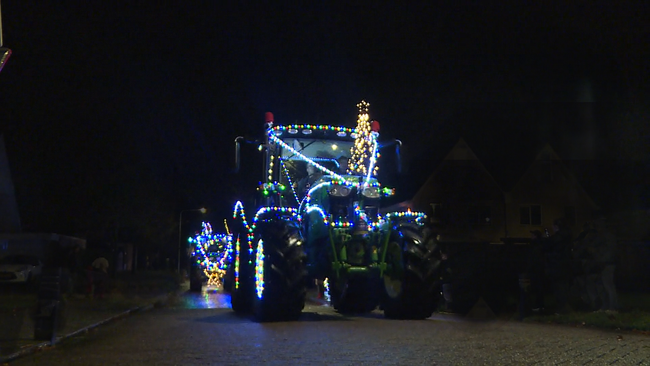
(114, 94)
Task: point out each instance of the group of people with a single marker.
(566, 265)
(595, 253)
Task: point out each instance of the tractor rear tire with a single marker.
(280, 271)
(410, 285)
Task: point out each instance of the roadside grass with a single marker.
(12, 302)
(16, 296)
(124, 291)
(634, 315)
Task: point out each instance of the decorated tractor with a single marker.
(210, 255)
(321, 221)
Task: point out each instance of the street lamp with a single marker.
(180, 232)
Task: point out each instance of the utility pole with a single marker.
(203, 210)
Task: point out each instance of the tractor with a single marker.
(329, 227)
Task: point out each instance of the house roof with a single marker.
(548, 154)
(505, 171)
(460, 152)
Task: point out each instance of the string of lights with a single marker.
(212, 252)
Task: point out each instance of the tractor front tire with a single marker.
(280, 271)
(410, 284)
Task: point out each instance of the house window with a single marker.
(440, 213)
(480, 215)
(530, 215)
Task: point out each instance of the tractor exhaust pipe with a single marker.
(237, 152)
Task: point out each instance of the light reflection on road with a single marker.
(209, 298)
(213, 297)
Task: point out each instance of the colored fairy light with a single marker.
(326, 285)
(417, 217)
(286, 174)
(293, 129)
(270, 177)
(259, 269)
(250, 228)
(237, 247)
(320, 211)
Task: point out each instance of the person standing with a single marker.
(100, 276)
(557, 254)
(586, 273)
(342, 163)
(605, 256)
(534, 272)
(313, 175)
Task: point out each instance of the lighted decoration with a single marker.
(237, 263)
(326, 285)
(212, 252)
(285, 171)
(272, 188)
(261, 213)
(364, 153)
(410, 216)
(239, 209)
(259, 269)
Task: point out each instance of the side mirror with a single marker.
(398, 146)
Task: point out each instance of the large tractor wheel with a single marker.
(280, 272)
(410, 284)
(241, 290)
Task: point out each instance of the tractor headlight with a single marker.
(370, 192)
(340, 191)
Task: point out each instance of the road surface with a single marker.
(200, 329)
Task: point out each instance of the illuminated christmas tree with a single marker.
(363, 153)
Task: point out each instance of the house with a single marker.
(547, 190)
(464, 197)
(478, 213)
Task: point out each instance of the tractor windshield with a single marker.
(331, 155)
(327, 153)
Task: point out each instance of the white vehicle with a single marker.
(20, 268)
